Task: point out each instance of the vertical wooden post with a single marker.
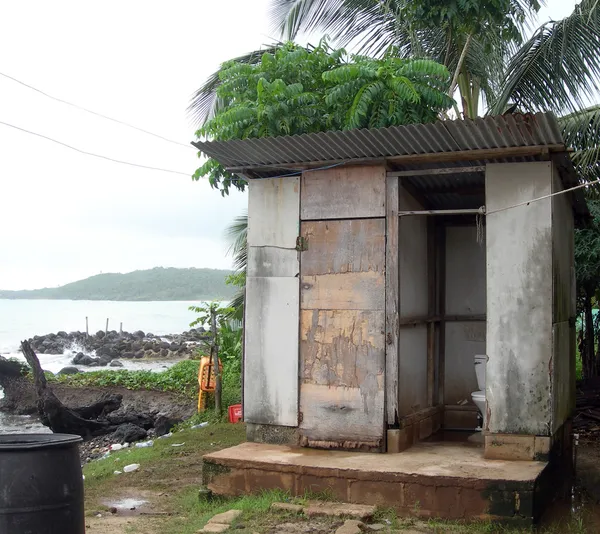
(87, 329)
(441, 244)
(106, 331)
(431, 299)
(215, 352)
(392, 300)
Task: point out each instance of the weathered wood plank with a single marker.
(274, 212)
(343, 246)
(343, 348)
(348, 416)
(392, 304)
(344, 291)
(343, 193)
(441, 305)
(271, 351)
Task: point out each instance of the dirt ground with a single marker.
(161, 497)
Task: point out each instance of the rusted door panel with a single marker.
(342, 324)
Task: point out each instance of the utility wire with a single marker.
(92, 153)
(93, 112)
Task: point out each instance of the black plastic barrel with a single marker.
(41, 485)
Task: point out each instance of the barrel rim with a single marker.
(22, 442)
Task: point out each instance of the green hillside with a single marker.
(150, 284)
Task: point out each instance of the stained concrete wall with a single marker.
(563, 290)
(272, 303)
(465, 295)
(519, 299)
(412, 382)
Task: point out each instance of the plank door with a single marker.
(272, 307)
(342, 324)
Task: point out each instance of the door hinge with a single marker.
(301, 244)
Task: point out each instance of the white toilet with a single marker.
(479, 396)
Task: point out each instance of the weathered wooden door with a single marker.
(342, 319)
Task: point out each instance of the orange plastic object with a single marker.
(206, 379)
(235, 413)
(206, 382)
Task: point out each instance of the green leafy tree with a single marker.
(296, 90)
(587, 271)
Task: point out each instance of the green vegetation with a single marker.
(151, 284)
(297, 90)
(180, 379)
(587, 271)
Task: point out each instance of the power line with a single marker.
(92, 153)
(93, 112)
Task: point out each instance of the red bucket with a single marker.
(235, 413)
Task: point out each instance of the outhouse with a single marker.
(384, 265)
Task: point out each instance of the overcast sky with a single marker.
(65, 216)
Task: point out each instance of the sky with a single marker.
(64, 215)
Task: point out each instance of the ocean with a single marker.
(23, 319)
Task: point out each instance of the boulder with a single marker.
(127, 355)
(115, 363)
(148, 345)
(165, 345)
(164, 353)
(139, 334)
(104, 361)
(100, 334)
(88, 360)
(78, 358)
(68, 371)
(128, 432)
(139, 354)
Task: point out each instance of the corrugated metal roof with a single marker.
(458, 143)
(503, 131)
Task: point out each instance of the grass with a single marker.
(172, 475)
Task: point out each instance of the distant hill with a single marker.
(150, 284)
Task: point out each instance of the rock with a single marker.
(287, 507)
(88, 360)
(127, 355)
(68, 371)
(226, 518)
(139, 354)
(128, 432)
(148, 345)
(164, 345)
(139, 334)
(163, 424)
(352, 526)
(100, 334)
(116, 363)
(214, 527)
(376, 527)
(62, 334)
(362, 512)
(104, 361)
(78, 357)
(164, 353)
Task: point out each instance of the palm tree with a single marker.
(237, 233)
(556, 69)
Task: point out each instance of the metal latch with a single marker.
(301, 244)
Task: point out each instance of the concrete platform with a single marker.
(439, 479)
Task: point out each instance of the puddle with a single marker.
(127, 506)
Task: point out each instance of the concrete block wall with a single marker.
(529, 292)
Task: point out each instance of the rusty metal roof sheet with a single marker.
(503, 131)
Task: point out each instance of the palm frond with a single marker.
(581, 131)
(237, 234)
(557, 69)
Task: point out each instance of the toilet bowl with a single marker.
(479, 395)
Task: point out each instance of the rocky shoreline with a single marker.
(103, 348)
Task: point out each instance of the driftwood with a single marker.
(86, 422)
